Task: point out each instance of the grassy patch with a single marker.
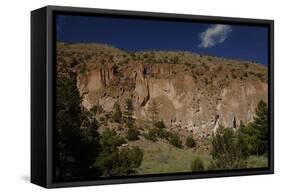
(257, 162)
(161, 157)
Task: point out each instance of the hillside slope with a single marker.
(193, 93)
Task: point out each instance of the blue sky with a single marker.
(229, 41)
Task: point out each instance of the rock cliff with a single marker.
(192, 92)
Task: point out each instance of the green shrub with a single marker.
(206, 81)
(194, 77)
(117, 114)
(96, 109)
(83, 70)
(162, 133)
(197, 165)
(133, 134)
(102, 119)
(259, 75)
(160, 124)
(190, 142)
(175, 140)
(151, 135)
(110, 140)
(114, 161)
(129, 112)
(127, 161)
(154, 133)
(229, 149)
(146, 136)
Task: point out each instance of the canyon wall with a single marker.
(192, 92)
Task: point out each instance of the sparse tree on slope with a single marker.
(154, 112)
(117, 114)
(129, 111)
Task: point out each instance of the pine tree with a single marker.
(229, 150)
(261, 127)
(117, 114)
(256, 133)
(128, 113)
(234, 123)
(75, 151)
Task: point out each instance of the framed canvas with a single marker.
(126, 96)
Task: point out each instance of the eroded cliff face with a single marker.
(194, 93)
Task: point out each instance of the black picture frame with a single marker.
(43, 94)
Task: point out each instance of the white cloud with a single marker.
(214, 35)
